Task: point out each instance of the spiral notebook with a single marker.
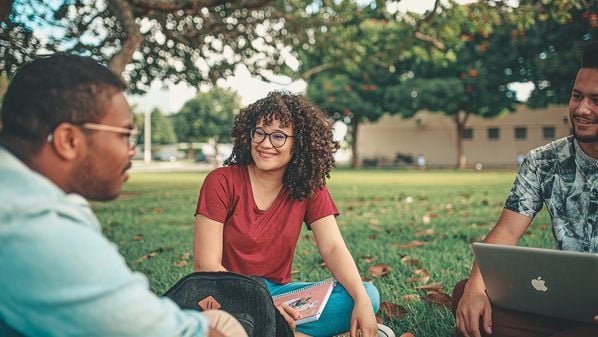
(309, 301)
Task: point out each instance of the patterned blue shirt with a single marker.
(59, 276)
(564, 178)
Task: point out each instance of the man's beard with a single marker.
(584, 138)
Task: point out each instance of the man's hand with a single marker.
(473, 305)
(289, 314)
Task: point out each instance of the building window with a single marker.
(468, 133)
(548, 132)
(520, 133)
(493, 133)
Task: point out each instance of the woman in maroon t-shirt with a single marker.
(250, 212)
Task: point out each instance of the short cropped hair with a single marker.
(590, 56)
(55, 89)
(313, 142)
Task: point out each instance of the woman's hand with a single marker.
(363, 319)
(289, 314)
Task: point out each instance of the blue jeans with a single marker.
(336, 317)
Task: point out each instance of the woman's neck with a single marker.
(269, 179)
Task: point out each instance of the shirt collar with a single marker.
(587, 164)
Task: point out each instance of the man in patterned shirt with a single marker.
(564, 176)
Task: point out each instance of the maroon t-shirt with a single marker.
(258, 242)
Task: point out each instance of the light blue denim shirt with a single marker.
(59, 276)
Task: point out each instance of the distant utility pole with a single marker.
(147, 137)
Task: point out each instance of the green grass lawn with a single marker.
(381, 212)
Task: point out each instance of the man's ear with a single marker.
(67, 141)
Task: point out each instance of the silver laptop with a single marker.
(540, 281)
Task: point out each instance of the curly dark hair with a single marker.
(313, 146)
(589, 58)
(54, 89)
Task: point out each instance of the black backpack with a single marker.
(246, 298)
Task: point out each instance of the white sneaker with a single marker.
(384, 331)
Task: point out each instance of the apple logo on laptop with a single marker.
(539, 284)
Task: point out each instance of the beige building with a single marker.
(493, 142)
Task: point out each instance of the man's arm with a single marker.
(474, 303)
(66, 279)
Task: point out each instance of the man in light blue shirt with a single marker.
(66, 137)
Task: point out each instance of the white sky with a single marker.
(247, 87)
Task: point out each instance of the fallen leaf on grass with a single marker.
(393, 310)
(438, 298)
(150, 254)
(379, 269)
(438, 287)
(293, 272)
(374, 227)
(369, 258)
(423, 276)
(158, 210)
(180, 264)
(426, 219)
(408, 334)
(425, 232)
(411, 244)
(183, 260)
(408, 260)
(137, 237)
(411, 297)
(372, 236)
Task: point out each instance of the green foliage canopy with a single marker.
(209, 115)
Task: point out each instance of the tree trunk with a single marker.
(5, 7)
(460, 122)
(132, 37)
(190, 151)
(354, 154)
(217, 159)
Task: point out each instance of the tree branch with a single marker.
(418, 34)
(306, 75)
(194, 5)
(132, 37)
(427, 38)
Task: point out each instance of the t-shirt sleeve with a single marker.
(526, 196)
(319, 205)
(214, 199)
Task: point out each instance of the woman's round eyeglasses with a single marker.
(277, 138)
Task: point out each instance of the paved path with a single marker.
(161, 166)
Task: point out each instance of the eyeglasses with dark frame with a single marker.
(277, 138)
(130, 135)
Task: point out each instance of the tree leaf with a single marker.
(408, 245)
(393, 310)
(408, 260)
(438, 298)
(369, 258)
(423, 276)
(411, 297)
(438, 286)
(425, 232)
(379, 269)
